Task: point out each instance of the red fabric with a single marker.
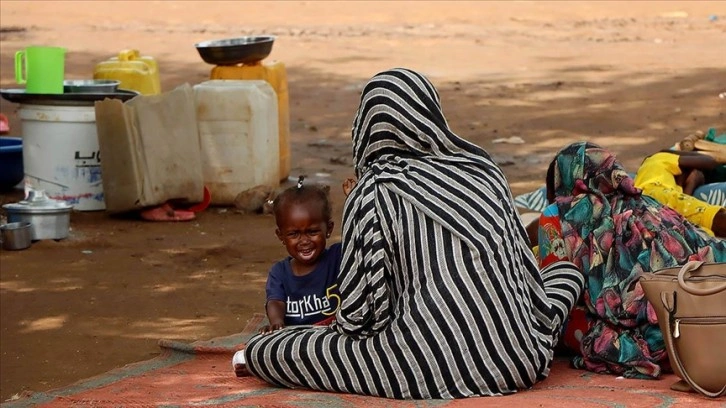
(326, 321)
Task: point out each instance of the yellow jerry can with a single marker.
(274, 73)
(136, 72)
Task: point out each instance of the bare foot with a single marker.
(239, 364)
(240, 370)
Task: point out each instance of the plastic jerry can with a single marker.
(136, 72)
(238, 136)
(274, 73)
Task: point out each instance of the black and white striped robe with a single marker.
(441, 295)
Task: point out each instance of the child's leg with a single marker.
(694, 179)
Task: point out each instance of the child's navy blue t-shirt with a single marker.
(311, 298)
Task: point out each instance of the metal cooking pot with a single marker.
(49, 218)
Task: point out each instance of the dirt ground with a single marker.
(632, 76)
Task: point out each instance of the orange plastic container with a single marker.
(136, 72)
(274, 73)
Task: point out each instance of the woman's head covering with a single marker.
(587, 162)
(400, 116)
(614, 233)
(413, 169)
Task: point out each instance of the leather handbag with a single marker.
(690, 302)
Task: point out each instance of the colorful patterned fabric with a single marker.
(603, 224)
(712, 193)
(441, 295)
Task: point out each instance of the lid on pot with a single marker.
(38, 202)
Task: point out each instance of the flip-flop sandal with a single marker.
(204, 204)
(165, 212)
(4, 124)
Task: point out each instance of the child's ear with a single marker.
(278, 233)
(331, 224)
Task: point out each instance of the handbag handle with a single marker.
(692, 266)
(669, 341)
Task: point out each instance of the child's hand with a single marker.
(275, 315)
(271, 328)
(348, 185)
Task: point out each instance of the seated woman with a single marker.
(441, 297)
(603, 224)
(671, 177)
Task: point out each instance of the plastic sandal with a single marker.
(165, 212)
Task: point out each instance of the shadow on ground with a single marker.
(152, 282)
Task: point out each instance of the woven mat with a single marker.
(200, 374)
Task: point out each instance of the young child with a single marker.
(301, 289)
(671, 177)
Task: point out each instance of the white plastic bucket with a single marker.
(61, 155)
(238, 136)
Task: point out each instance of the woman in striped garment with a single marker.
(441, 295)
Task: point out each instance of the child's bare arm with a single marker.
(694, 179)
(719, 224)
(276, 316)
(348, 185)
(699, 161)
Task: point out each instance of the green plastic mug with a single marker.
(41, 69)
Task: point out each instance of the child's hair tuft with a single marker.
(303, 193)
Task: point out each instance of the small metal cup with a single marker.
(16, 235)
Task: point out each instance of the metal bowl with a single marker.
(16, 235)
(233, 51)
(94, 86)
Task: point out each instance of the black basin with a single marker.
(11, 162)
(65, 99)
(233, 51)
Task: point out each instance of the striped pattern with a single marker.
(534, 200)
(441, 296)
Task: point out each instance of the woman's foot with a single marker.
(240, 370)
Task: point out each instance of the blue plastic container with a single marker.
(11, 162)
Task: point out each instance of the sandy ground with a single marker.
(632, 76)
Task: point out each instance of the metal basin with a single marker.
(94, 86)
(233, 51)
